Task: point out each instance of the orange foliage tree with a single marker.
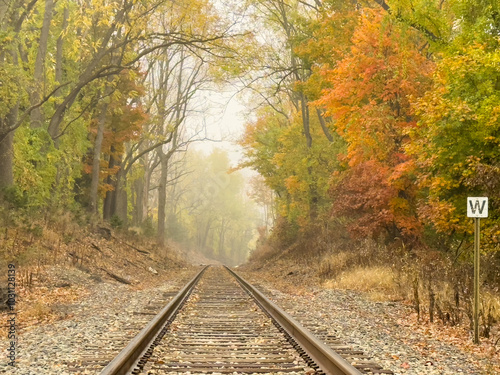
(368, 100)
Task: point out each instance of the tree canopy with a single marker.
(381, 116)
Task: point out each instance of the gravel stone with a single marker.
(113, 313)
(376, 329)
(98, 327)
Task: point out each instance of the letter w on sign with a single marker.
(477, 207)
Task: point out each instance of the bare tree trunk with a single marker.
(416, 297)
(141, 189)
(59, 76)
(205, 235)
(116, 200)
(221, 238)
(7, 143)
(36, 114)
(58, 72)
(121, 199)
(162, 189)
(138, 192)
(6, 160)
(162, 195)
(314, 196)
(94, 184)
(164, 160)
(109, 204)
(305, 119)
(323, 125)
(60, 49)
(432, 302)
(145, 194)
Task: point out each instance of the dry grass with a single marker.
(58, 263)
(39, 311)
(490, 314)
(378, 282)
(490, 300)
(333, 264)
(263, 254)
(436, 285)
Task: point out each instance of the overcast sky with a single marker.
(224, 121)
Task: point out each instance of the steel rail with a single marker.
(328, 360)
(125, 362)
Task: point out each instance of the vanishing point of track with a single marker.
(220, 324)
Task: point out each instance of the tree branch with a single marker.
(26, 113)
(429, 34)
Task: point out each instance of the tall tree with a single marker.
(36, 117)
(13, 15)
(456, 141)
(369, 101)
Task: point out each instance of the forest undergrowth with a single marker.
(59, 257)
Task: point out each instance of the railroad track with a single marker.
(220, 324)
(91, 356)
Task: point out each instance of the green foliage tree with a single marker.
(298, 174)
(456, 142)
(63, 65)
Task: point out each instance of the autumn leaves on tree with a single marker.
(93, 92)
(410, 94)
(381, 116)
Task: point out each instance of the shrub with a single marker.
(116, 222)
(148, 228)
(14, 196)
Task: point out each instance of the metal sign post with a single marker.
(477, 208)
(476, 279)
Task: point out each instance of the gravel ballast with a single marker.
(108, 317)
(380, 329)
